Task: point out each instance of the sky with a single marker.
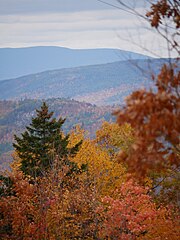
(78, 24)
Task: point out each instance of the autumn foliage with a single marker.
(164, 9)
(102, 202)
(154, 117)
(154, 114)
(122, 185)
(133, 215)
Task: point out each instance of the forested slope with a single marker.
(15, 115)
(98, 84)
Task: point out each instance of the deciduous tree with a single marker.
(154, 114)
(133, 215)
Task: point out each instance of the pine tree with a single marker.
(42, 142)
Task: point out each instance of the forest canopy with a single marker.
(122, 184)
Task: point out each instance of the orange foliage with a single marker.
(99, 202)
(162, 9)
(154, 117)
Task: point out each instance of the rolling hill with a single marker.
(16, 62)
(103, 84)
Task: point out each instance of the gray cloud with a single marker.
(75, 24)
(86, 29)
(44, 6)
(47, 6)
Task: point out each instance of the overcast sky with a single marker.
(76, 24)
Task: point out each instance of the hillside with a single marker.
(15, 115)
(16, 62)
(98, 84)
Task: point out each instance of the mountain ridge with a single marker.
(104, 84)
(16, 62)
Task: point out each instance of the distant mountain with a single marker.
(16, 62)
(98, 84)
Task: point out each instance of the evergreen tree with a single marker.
(42, 142)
